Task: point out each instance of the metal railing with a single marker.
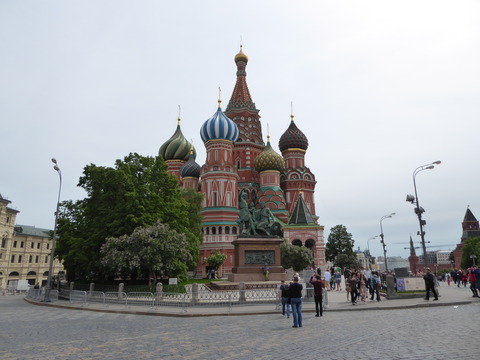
(202, 297)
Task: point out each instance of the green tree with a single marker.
(295, 257)
(216, 259)
(136, 192)
(339, 242)
(470, 247)
(156, 250)
(343, 261)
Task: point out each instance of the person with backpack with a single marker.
(285, 296)
(375, 285)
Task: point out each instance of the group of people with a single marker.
(291, 295)
(471, 276)
(359, 283)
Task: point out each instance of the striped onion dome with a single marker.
(268, 159)
(190, 168)
(293, 138)
(177, 147)
(219, 127)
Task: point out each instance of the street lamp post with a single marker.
(473, 257)
(418, 209)
(369, 254)
(52, 254)
(383, 241)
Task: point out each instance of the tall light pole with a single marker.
(418, 209)
(52, 254)
(382, 237)
(368, 247)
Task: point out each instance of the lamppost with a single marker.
(382, 237)
(418, 209)
(52, 254)
(473, 257)
(369, 254)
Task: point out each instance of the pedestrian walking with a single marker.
(295, 291)
(375, 284)
(429, 285)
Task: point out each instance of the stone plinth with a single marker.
(252, 254)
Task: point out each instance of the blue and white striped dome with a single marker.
(219, 126)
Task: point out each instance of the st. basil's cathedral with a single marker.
(237, 160)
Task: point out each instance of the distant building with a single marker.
(395, 262)
(24, 251)
(443, 257)
(471, 229)
(362, 258)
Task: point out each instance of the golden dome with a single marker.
(241, 56)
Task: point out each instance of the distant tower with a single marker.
(241, 109)
(471, 229)
(176, 151)
(413, 258)
(297, 177)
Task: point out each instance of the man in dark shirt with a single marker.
(295, 291)
(429, 285)
(317, 283)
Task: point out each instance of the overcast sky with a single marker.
(378, 87)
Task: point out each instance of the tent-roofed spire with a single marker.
(301, 215)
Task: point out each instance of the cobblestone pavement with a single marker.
(36, 332)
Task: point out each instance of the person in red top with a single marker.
(472, 279)
(317, 283)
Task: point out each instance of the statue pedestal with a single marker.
(251, 256)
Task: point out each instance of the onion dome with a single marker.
(293, 138)
(268, 159)
(241, 56)
(219, 127)
(177, 147)
(190, 168)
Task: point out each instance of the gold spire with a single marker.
(291, 111)
(219, 97)
(178, 119)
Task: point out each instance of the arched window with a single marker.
(234, 231)
(14, 273)
(310, 243)
(227, 230)
(219, 230)
(297, 242)
(31, 273)
(214, 230)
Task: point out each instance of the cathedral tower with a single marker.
(241, 109)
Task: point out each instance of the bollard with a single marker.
(194, 294)
(121, 286)
(390, 286)
(241, 289)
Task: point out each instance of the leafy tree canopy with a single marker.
(216, 259)
(295, 257)
(346, 261)
(339, 242)
(470, 247)
(156, 250)
(136, 192)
